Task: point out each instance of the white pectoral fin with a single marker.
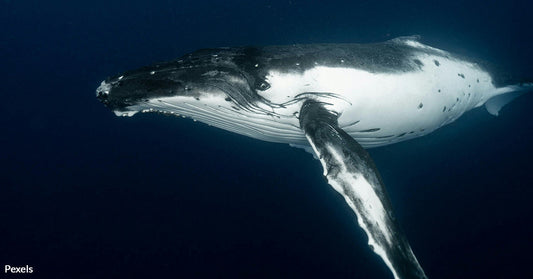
(307, 149)
(351, 172)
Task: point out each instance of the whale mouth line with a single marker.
(130, 113)
(166, 107)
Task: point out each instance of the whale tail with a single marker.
(504, 95)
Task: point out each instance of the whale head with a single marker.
(211, 76)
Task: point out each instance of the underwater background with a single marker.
(86, 194)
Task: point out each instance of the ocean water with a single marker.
(85, 194)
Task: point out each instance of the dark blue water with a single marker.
(85, 194)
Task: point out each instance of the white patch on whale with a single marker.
(396, 103)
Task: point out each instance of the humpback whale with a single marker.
(334, 100)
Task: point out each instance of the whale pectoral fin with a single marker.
(351, 172)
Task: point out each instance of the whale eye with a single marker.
(263, 86)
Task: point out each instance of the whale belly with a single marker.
(387, 108)
(381, 108)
